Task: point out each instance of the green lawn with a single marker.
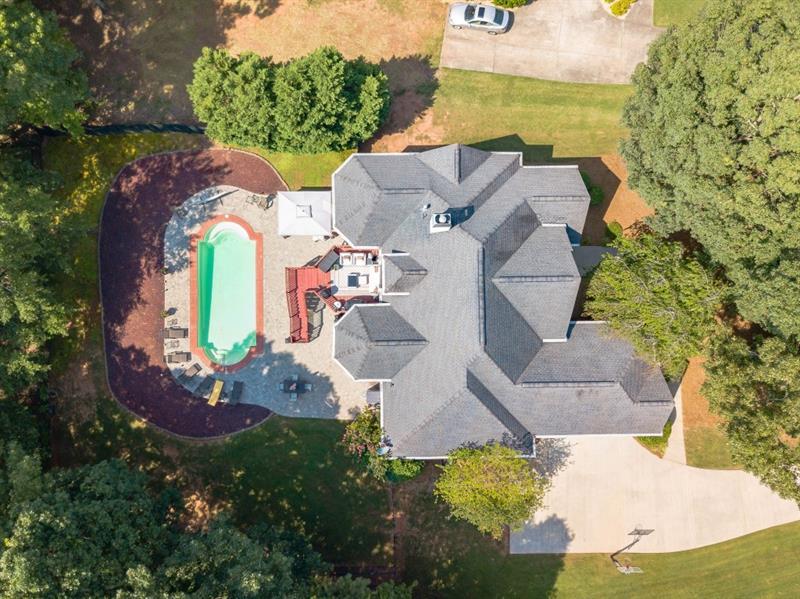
(675, 12)
(542, 119)
(304, 170)
(708, 448)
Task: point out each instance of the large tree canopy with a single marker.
(32, 235)
(491, 487)
(38, 84)
(757, 392)
(715, 146)
(659, 300)
(97, 531)
(315, 103)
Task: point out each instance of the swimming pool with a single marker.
(227, 292)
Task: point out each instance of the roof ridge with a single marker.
(533, 278)
(433, 414)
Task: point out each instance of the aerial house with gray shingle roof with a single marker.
(472, 340)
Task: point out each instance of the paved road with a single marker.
(612, 485)
(562, 40)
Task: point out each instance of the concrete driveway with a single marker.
(562, 40)
(612, 485)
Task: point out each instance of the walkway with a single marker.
(612, 485)
(561, 40)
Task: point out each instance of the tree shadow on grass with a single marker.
(413, 85)
(139, 53)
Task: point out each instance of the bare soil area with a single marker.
(139, 53)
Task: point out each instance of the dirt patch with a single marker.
(139, 55)
(411, 108)
(696, 412)
(621, 204)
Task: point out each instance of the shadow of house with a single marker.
(139, 54)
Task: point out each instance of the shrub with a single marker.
(510, 3)
(317, 103)
(402, 470)
(658, 299)
(362, 438)
(614, 230)
(491, 487)
(596, 194)
(621, 7)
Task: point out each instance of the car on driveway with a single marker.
(490, 19)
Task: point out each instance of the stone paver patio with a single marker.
(560, 40)
(334, 394)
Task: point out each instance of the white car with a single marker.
(490, 19)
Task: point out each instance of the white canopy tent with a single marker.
(304, 213)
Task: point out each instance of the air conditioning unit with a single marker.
(441, 222)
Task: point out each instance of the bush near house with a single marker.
(490, 487)
(362, 438)
(658, 299)
(621, 7)
(316, 103)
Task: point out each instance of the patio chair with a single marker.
(360, 259)
(205, 387)
(172, 344)
(189, 373)
(178, 357)
(295, 377)
(236, 394)
(216, 392)
(308, 387)
(346, 259)
(293, 397)
(176, 333)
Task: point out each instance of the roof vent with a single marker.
(441, 222)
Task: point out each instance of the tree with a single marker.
(32, 233)
(490, 487)
(362, 439)
(316, 103)
(82, 533)
(39, 84)
(714, 147)
(347, 587)
(234, 97)
(756, 390)
(97, 531)
(659, 300)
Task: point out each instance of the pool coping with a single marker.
(196, 349)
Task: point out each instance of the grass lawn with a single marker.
(543, 119)
(657, 445)
(304, 170)
(675, 12)
(706, 444)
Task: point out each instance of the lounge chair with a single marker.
(178, 356)
(204, 388)
(189, 373)
(236, 394)
(176, 333)
(216, 392)
(293, 397)
(360, 259)
(346, 259)
(308, 387)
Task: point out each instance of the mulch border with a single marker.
(180, 394)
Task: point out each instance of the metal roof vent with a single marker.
(441, 222)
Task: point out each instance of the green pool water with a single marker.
(226, 303)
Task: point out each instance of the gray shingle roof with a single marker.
(402, 273)
(464, 346)
(374, 342)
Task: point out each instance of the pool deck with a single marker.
(334, 394)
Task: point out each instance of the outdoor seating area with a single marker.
(339, 279)
(294, 387)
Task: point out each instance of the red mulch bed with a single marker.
(136, 212)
